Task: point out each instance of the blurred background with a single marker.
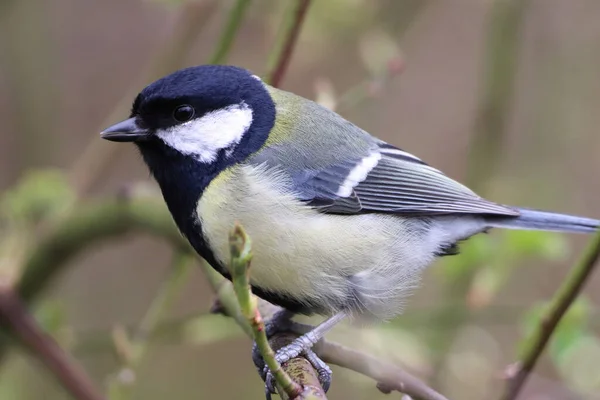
(502, 95)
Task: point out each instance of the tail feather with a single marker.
(546, 221)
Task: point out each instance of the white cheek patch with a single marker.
(358, 174)
(204, 137)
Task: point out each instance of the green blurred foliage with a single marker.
(574, 347)
(345, 53)
(572, 327)
(501, 249)
(37, 195)
(492, 258)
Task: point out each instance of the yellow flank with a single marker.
(308, 255)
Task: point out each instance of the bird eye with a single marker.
(184, 113)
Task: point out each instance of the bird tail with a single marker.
(546, 221)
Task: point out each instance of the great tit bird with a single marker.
(342, 223)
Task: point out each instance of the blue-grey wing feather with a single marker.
(392, 181)
(399, 183)
(320, 189)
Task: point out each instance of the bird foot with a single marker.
(324, 373)
(281, 322)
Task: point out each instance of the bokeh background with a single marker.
(503, 97)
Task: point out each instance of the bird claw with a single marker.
(269, 381)
(282, 322)
(324, 373)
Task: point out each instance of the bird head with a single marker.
(209, 114)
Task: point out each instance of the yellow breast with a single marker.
(305, 254)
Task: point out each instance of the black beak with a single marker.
(125, 131)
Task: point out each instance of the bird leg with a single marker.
(281, 321)
(301, 346)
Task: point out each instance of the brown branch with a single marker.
(14, 314)
(564, 297)
(226, 304)
(389, 377)
(299, 369)
(93, 223)
(90, 224)
(287, 38)
(86, 226)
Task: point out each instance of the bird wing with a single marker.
(362, 174)
(389, 180)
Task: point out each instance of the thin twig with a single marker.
(88, 225)
(280, 56)
(300, 369)
(89, 166)
(14, 313)
(175, 330)
(226, 300)
(84, 227)
(234, 21)
(388, 376)
(276, 63)
(93, 223)
(562, 300)
(240, 248)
